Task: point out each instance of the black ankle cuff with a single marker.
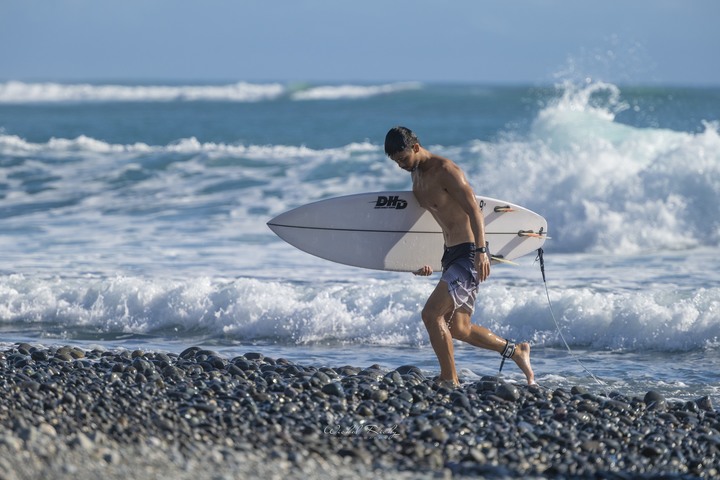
(509, 349)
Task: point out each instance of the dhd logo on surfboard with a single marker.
(391, 201)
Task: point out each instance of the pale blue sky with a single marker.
(502, 41)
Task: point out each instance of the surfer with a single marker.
(440, 187)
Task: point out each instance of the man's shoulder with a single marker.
(445, 165)
(442, 162)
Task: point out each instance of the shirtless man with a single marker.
(440, 186)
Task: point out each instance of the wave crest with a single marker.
(15, 92)
(352, 91)
(375, 312)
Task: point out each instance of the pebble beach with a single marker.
(66, 412)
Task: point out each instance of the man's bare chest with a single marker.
(430, 196)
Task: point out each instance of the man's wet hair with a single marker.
(398, 139)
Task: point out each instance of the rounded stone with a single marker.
(39, 355)
(334, 388)
(63, 356)
(320, 378)
(409, 369)
(655, 400)
(379, 396)
(508, 392)
(704, 403)
(189, 352)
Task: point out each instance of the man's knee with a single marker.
(430, 317)
(460, 326)
(459, 329)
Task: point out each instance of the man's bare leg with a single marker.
(437, 309)
(463, 329)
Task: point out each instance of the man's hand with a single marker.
(424, 271)
(482, 265)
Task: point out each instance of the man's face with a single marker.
(404, 159)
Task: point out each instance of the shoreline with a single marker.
(80, 413)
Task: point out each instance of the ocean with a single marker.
(134, 216)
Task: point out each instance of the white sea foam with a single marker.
(374, 312)
(605, 186)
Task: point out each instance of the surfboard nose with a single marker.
(275, 224)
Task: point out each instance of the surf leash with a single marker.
(557, 325)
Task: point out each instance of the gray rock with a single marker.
(655, 401)
(334, 388)
(508, 392)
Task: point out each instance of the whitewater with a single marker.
(133, 216)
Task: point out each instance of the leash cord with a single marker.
(557, 325)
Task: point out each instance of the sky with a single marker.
(644, 42)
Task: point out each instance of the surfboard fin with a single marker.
(502, 260)
(530, 233)
(505, 209)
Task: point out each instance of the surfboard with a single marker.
(391, 231)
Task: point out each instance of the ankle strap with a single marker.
(507, 352)
(509, 349)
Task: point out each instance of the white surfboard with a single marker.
(391, 231)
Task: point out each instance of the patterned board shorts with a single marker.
(459, 273)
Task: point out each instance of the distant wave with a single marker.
(14, 145)
(339, 92)
(50, 92)
(20, 92)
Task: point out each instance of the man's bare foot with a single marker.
(447, 383)
(522, 359)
